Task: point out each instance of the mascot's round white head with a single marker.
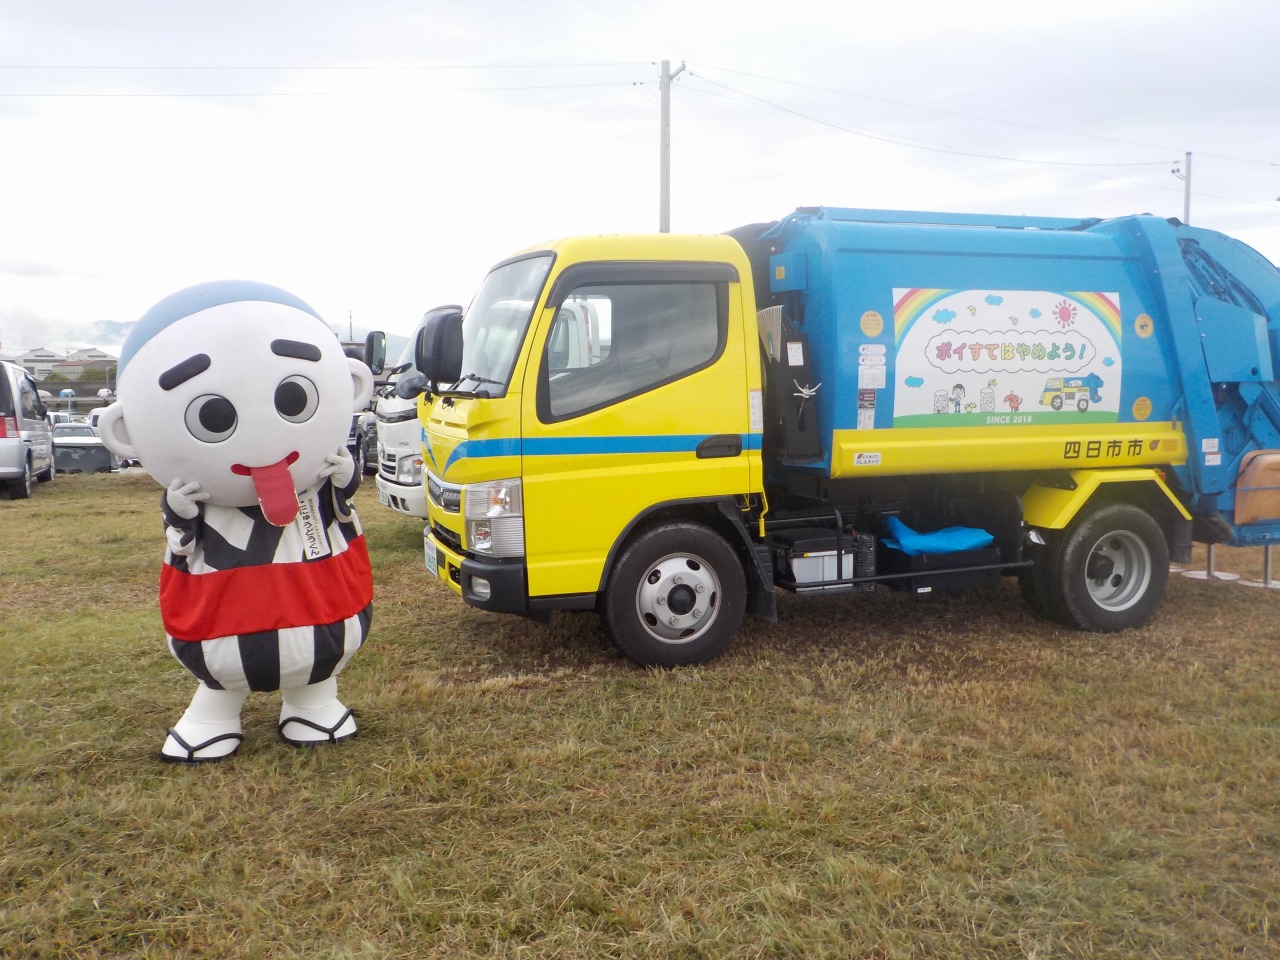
(237, 385)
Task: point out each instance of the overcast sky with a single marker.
(376, 157)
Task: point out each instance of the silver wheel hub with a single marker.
(676, 600)
(1118, 570)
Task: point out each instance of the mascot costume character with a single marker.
(237, 398)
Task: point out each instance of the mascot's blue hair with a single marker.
(202, 296)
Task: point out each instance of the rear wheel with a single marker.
(1107, 571)
(1037, 586)
(675, 596)
(20, 489)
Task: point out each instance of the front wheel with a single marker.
(1108, 570)
(675, 596)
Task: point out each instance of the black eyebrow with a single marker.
(296, 349)
(184, 371)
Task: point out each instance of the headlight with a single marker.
(409, 470)
(494, 515)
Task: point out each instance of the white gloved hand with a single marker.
(184, 496)
(339, 468)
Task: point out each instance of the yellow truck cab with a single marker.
(541, 461)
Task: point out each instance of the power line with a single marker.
(923, 144)
(1066, 165)
(312, 93)
(972, 116)
(314, 68)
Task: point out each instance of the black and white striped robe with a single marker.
(252, 606)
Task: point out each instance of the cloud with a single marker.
(914, 381)
(993, 300)
(31, 269)
(944, 316)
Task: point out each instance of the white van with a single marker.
(26, 446)
(400, 486)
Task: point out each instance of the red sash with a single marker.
(271, 596)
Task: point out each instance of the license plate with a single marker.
(433, 559)
(383, 497)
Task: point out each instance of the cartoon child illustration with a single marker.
(957, 397)
(237, 399)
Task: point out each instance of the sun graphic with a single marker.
(1065, 311)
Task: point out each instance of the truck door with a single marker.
(655, 411)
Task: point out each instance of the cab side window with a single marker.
(612, 341)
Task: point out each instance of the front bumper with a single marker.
(409, 499)
(497, 585)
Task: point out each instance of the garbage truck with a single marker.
(846, 400)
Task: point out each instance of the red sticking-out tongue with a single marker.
(274, 487)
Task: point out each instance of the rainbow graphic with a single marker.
(1104, 306)
(915, 301)
(910, 305)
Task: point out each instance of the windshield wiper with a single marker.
(479, 382)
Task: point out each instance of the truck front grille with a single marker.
(446, 496)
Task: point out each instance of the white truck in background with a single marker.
(399, 454)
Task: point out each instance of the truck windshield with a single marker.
(495, 324)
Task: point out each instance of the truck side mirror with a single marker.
(410, 386)
(375, 351)
(438, 351)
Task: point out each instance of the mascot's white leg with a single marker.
(209, 730)
(314, 714)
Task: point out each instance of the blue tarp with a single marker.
(947, 540)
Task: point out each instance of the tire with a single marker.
(1037, 586)
(1107, 571)
(1056, 402)
(20, 489)
(675, 596)
(358, 457)
(1082, 405)
(370, 446)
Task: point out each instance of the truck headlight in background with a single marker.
(494, 518)
(409, 470)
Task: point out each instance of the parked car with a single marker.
(367, 435)
(26, 447)
(77, 448)
(93, 417)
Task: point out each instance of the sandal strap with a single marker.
(193, 750)
(330, 732)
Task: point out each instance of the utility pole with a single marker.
(1183, 173)
(664, 159)
(1186, 192)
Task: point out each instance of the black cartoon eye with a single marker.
(297, 399)
(211, 418)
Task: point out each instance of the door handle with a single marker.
(720, 445)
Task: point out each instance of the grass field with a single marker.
(875, 776)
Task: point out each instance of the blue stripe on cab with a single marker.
(589, 446)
